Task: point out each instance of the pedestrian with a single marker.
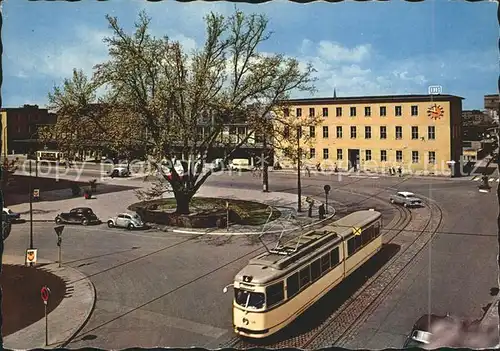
(400, 171)
(308, 171)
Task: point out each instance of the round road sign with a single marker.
(327, 188)
(45, 294)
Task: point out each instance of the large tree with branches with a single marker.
(158, 96)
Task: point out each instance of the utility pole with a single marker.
(299, 155)
(265, 174)
(31, 212)
(2, 228)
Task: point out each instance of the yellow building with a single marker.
(419, 133)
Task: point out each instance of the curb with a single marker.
(35, 333)
(491, 313)
(332, 214)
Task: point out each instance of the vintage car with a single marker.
(79, 215)
(13, 216)
(406, 199)
(119, 172)
(421, 333)
(126, 220)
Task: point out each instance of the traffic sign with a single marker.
(356, 231)
(45, 293)
(435, 89)
(327, 188)
(59, 229)
(31, 255)
(36, 192)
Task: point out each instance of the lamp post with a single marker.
(299, 155)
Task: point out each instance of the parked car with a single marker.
(79, 215)
(126, 220)
(421, 333)
(240, 164)
(6, 225)
(406, 199)
(13, 216)
(119, 172)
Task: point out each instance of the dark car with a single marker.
(79, 215)
(421, 335)
(13, 216)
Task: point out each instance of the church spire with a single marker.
(334, 93)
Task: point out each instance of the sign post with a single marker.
(31, 255)
(327, 190)
(59, 229)
(45, 293)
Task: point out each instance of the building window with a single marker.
(312, 131)
(414, 110)
(353, 132)
(339, 132)
(299, 132)
(232, 130)
(383, 132)
(398, 111)
(368, 132)
(431, 133)
(414, 132)
(286, 132)
(399, 156)
(338, 111)
(368, 111)
(299, 112)
(325, 131)
(311, 112)
(383, 111)
(353, 111)
(339, 154)
(286, 112)
(432, 156)
(312, 152)
(325, 111)
(383, 155)
(399, 132)
(242, 131)
(325, 154)
(414, 156)
(368, 155)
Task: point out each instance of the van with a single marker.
(240, 164)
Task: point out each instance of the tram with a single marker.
(279, 285)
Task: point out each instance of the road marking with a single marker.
(159, 319)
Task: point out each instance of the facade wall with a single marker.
(412, 140)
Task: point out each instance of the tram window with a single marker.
(376, 230)
(359, 243)
(325, 263)
(275, 294)
(315, 270)
(351, 246)
(334, 254)
(366, 235)
(292, 285)
(304, 277)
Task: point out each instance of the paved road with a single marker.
(462, 268)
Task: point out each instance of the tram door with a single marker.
(353, 159)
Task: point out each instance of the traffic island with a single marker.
(22, 305)
(206, 213)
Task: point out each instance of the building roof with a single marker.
(373, 99)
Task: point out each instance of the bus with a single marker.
(50, 156)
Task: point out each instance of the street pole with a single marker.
(299, 190)
(265, 175)
(31, 212)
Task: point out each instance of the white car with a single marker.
(126, 220)
(119, 172)
(406, 199)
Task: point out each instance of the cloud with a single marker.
(334, 51)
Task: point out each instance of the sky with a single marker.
(357, 48)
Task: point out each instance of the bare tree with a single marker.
(169, 94)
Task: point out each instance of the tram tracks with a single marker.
(355, 309)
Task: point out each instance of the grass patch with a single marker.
(250, 212)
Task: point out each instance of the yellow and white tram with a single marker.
(279, 285)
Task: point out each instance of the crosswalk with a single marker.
(490, 179)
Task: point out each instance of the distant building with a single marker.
(476, 118)
(20, 128)
(492, 106)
